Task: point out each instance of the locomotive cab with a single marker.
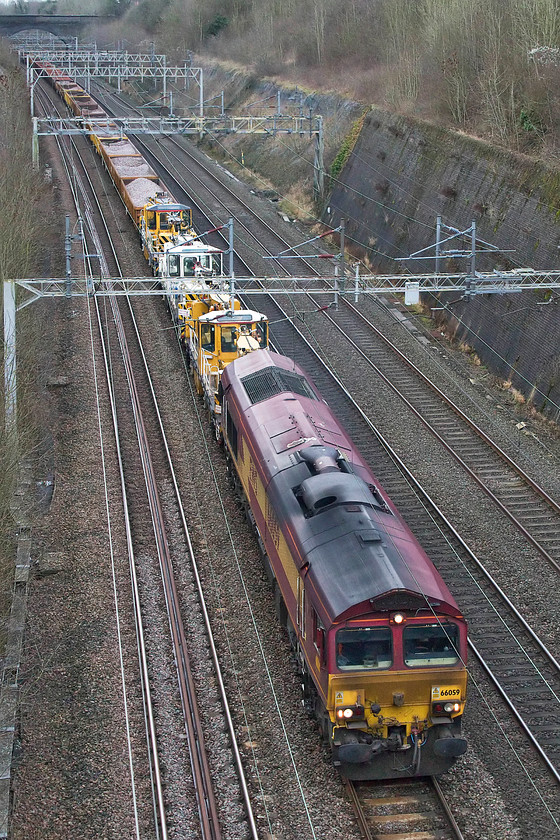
(397, 685)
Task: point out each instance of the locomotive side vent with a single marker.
(270, 381)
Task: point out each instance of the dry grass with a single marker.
(297, 204)
(515, 394)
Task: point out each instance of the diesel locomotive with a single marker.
(380, 642)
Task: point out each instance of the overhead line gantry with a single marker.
(117, 66)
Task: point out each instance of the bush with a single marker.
(215, 26)
(347, 146)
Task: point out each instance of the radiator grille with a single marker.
(271, 381)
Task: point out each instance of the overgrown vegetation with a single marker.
(485, 66)
(346, 148)
(20, 225)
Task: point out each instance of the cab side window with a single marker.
(207, 336)
(318, 635)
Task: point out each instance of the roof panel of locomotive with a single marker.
(287, 422)
(353, 557)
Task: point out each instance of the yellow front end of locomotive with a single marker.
(396, 725)
(408, 701)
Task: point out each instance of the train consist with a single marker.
(213, 327)
(380, 642)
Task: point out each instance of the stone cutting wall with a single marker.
(402, 174)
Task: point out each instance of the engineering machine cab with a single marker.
(163, 220)
(189, 258)
(215, 339)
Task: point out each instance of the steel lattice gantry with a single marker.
(116, 66)
(269, 125)
(491, 283)
(499, 282)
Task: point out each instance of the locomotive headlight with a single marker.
(447, 708)
(344, 713)
(397, 618)
(350, 712)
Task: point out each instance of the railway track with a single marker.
(410, 809)
(146, 452)
(188, 689)
(510, 651)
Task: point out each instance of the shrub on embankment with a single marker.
(21, 250)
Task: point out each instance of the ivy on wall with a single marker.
(348, 145)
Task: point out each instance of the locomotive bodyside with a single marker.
(380, 641)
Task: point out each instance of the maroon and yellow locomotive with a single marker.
(381, 643)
